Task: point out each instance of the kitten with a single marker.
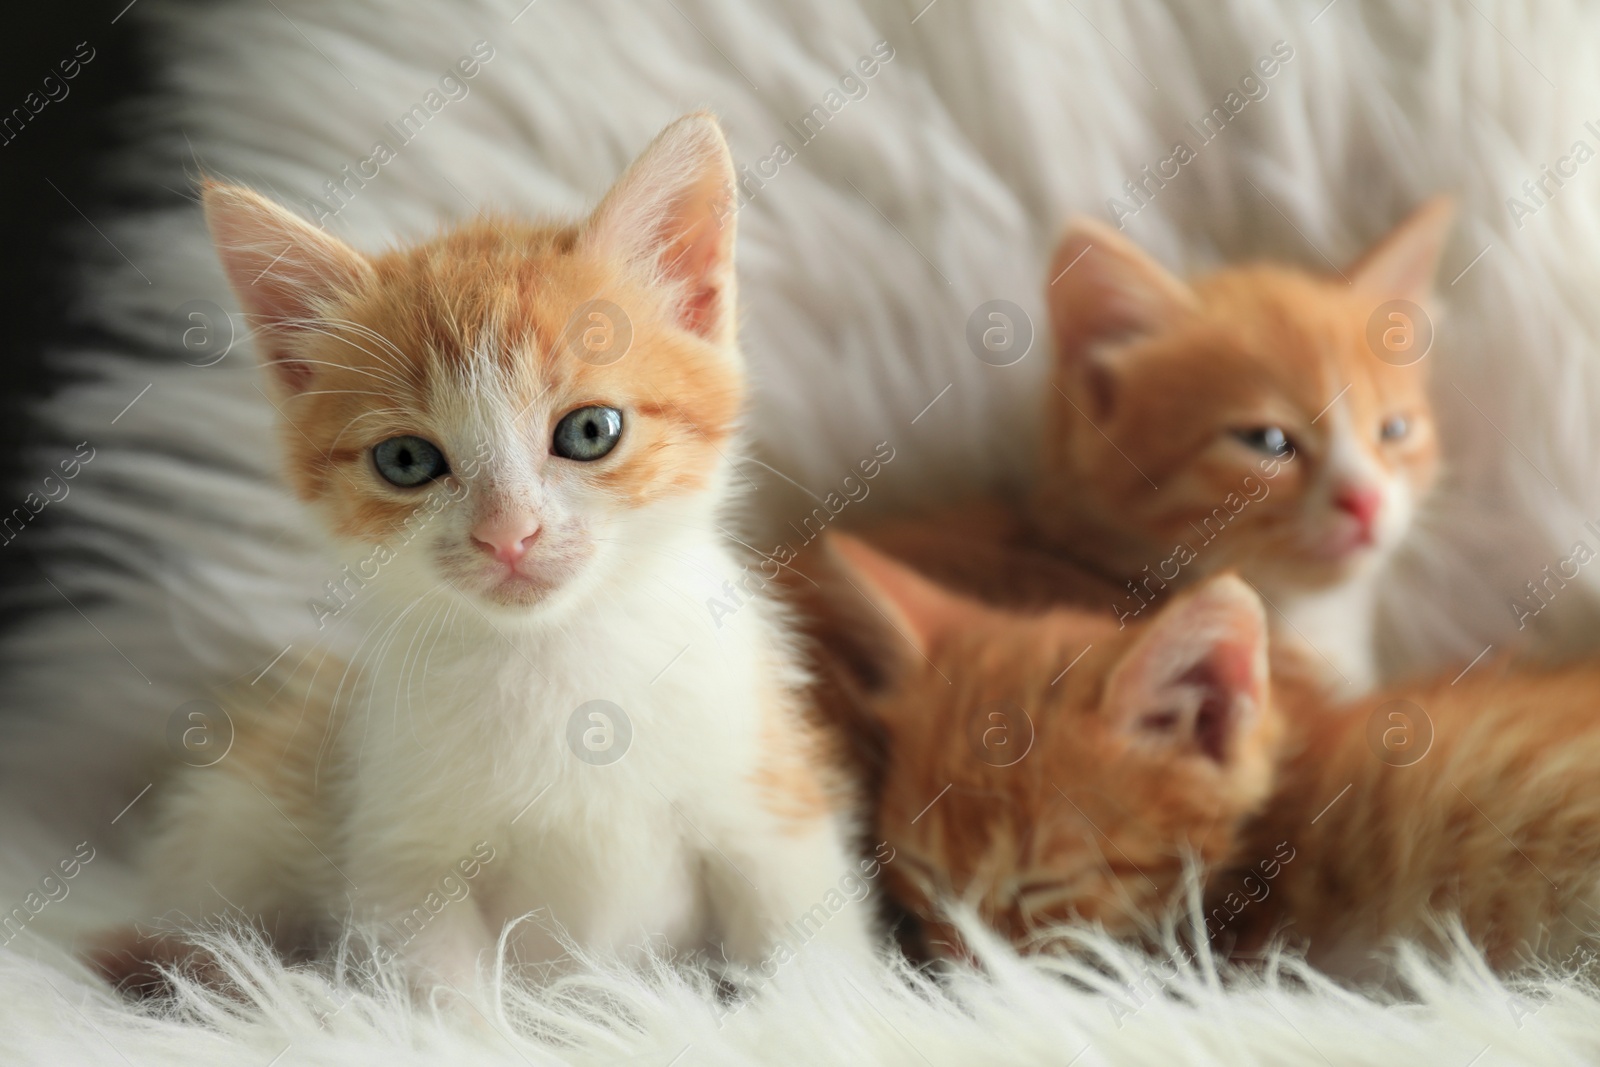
(517, 434)
(1244, 421)
(1047, 766)
(1471, 796)
(1341, 827)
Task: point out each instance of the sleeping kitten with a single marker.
(538, 415)
(1244, 421)
(1051, 765)
(1474, 797)
(1340, 826)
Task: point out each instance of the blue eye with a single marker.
(1268, 439)
(587, 434)
(1394, 429)
(409, 461)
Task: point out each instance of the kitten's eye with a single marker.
(1268, 439)
(587, 434)
(409, 461)
(1394, 429)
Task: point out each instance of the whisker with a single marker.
(383, 378)
(383, 370)
(373, 335)
(374, 413)
(405, 681)
(338, 392)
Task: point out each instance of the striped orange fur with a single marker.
(1339, 827)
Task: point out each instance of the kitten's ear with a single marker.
(1403, 263)
(1196, 679)
(285, 272)
(921, 611)
(671, 215)
(1102, 288)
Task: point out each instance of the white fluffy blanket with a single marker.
(1121, 1008)
(933, 186)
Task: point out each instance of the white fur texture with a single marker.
(1121, 1006)
(860, 264)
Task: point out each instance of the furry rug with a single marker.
(1109, 1006)
(913, 197)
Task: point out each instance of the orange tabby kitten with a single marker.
(1244, 421)
(1054, 765)
(1345, 826)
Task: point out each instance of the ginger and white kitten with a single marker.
(551, 473)
(1243, 420)
(1340, 827)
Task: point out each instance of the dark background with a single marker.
(67, 143)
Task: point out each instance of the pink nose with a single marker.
(1362, 504)
(506, 542)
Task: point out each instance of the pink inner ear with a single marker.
(699, 312)
(281, 268)
(1106, 289)
(672, 214)
(280, 310)
(1100, 386)
(694, 259)
(1216, 718)
(1233, 665)
(1202, 657)
(293, 373)
(1228, 677)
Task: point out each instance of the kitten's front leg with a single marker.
(449, 951)
(426, 910)
(776, 884)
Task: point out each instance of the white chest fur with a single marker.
(1337, 629)
(601, 760)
